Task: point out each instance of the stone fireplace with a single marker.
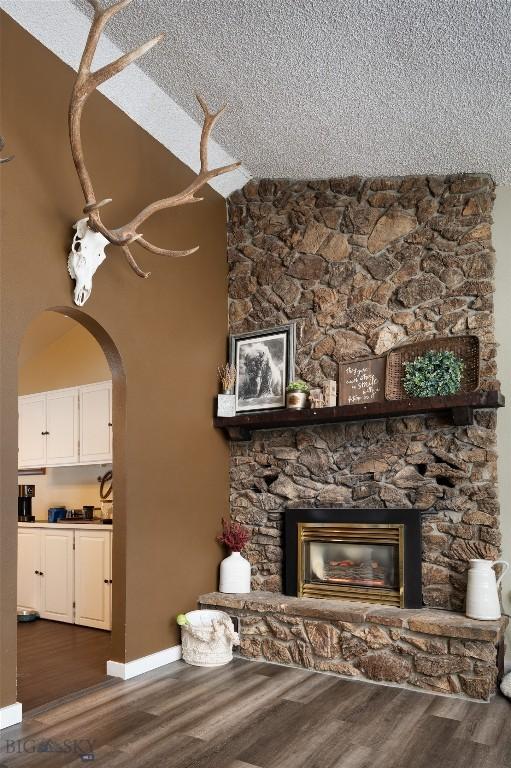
(364, 555)
(363, 265)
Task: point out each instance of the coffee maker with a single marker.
(25, 495)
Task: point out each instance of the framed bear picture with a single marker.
(265, 364)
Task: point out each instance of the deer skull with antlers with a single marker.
(87, 254)
(92, 236)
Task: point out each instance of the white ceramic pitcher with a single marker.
(482, 589)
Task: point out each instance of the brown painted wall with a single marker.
(171, 471)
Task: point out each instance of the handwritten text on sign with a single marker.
(362, 381)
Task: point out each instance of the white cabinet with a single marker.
(46, 572)
(57, 575)
(93, 579)
(48, 433)
(65, 427)
(62, 435)
(96, 423)
(66, 574)
(29, 559)
(32, 431)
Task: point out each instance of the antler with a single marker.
(86, 82)
(4, 159)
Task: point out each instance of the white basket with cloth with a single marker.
(207, 638)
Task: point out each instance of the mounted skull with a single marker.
(87, 254)
(96, 235)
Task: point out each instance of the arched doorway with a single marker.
(69, 368)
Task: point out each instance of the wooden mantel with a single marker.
(459, 408)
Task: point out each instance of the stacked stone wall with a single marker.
(362, 265)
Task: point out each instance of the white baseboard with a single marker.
(10, 715)
(144, 664)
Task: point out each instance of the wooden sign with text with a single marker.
(362, 381)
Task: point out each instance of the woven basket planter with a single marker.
(464, 347)
(208, 638)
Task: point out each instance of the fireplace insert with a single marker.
(366, 555)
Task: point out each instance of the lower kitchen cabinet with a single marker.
(29, 562)
(66, 574)
(57, 575)
(93, 579)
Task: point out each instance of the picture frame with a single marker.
(265, 364)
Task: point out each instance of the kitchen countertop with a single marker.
(70, 524)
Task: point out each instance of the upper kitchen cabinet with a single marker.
(32, 431)
(48, 434)
(62, 435)
(65, 427)
(96, 423)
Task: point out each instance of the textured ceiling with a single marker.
(320, 88)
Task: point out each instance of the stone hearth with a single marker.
(432, 650)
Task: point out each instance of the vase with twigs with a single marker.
(235, 569)
(226, 403)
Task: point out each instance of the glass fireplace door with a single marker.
(360, 562)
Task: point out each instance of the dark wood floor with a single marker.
(250, 714)
(56, 659)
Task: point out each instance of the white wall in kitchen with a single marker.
(70, 487)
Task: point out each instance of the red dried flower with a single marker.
(234, 535)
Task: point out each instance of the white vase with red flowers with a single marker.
(235, 569)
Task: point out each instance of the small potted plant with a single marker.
(226, 403)
(235, 569)
(297, 393)
(434, 373)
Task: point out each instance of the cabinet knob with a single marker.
(109, 423)
(109, 581)
(41, 573)
(106, 581)
(36, 572)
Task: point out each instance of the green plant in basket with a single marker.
(298, 386)
(434, 373)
